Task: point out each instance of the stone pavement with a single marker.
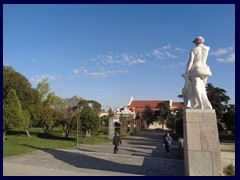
(140, 155)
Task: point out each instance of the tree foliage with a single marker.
(179, 122)
(25, 93)
(148, 115)
(218, 98)
(89, 121)
(229, 118)
(12, 110)
(68, 121)
(163, 112)
(43, 87)
(13, 115)
(95, 106)
(50, 118)
(54, 101)
(105, 120)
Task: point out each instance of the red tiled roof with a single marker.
(139, 105)
(177, 105)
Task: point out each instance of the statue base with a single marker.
(201, 143)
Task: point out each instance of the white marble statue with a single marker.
(196, 75)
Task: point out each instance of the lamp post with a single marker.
(174, 113)
(79, 109)
(77, 127)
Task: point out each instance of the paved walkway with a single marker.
(140, 155)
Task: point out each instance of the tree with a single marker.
(43, 87)
(127, 121)
(229, 118)
(26, 122)
(35, 114)
(49, 98)
(148, 115)
(54, 101)
(179, 121)
(219, 100)
(163, 112)
(25, 93)
(68, 121)
(89, 121)
(13, 116)
(95, 106)
(28, 96)
(49, 119)
(105, 120)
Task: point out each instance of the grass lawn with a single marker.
(17, 142)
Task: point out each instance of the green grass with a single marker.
(17, 142)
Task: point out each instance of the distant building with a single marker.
(138, 106)
(103, 114)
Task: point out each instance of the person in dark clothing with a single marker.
(167, 139)
(116, 142)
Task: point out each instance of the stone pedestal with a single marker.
(201, 143)
(111, 128)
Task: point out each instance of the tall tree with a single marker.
(163, 112)
(54, 101)
(95, 106)
(35, 114)
(50, 118)
(89, 121)
(68, 121)
(13, 116)
(229, 118)
(179, 121)
(148, 115)
(218, 98)
(43, 87)
(25, 93)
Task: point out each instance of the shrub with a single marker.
(229, 170)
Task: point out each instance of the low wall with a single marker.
(227, 152)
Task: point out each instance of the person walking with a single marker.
(167, 139)
(116, 141)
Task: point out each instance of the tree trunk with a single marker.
(66, 133)
(4, 134)
(63, 133)
(27, 133)
(50, 131)
(84, 138)
(45, 129)
(88, 134)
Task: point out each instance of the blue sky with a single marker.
(109, 53)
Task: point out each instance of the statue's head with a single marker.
(199, 40)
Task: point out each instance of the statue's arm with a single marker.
(189, 65)
(190, 61)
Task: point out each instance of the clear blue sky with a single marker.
(109, 53)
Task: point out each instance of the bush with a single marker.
(229, 170)
(220, 127)
(233, 131)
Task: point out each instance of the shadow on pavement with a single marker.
(148, 164)
(90, 162)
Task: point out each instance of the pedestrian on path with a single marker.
(167, 139)
(116, 142)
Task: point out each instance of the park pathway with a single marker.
(140, 155)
